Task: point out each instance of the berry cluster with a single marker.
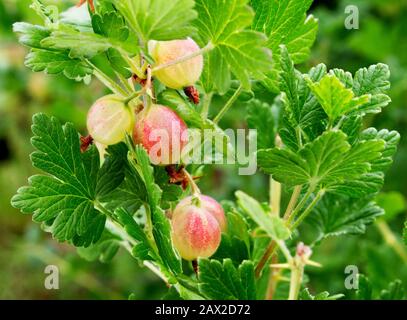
(198, 220)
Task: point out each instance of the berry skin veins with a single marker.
(180, 75)
(109, 119)
(195, 232)
(162, 133)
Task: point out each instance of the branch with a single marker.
(228, 104)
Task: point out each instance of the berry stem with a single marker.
(205, 49)
(228, 104)
(106, 80)
(391, 239)
(275, 196)
(133, 96)
(194, 187)
(299, 206)
(293, 201)
(308, 210)
(206, 104)
(126, 85)
(297, 272)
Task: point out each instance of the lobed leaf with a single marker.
(223, 281)
(237, 50)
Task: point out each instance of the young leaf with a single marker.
(242, 51)
(224, 282)
(79, 44)
(374, 81)
(285, 22)
(50, 61)
(335, 98)
(65, 197)
(272, 225)
(158, 19)
(30, 35)
(303, 118)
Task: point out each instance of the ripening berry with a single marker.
(195, 232)
(209, 204)
(180, 75)
(109, 119)
(162, 133)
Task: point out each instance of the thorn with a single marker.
(313, 263)
(280, 266)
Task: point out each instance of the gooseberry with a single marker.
(109, 119)
(180, 75)
(162, 133)
(195, 232)
(210, 205)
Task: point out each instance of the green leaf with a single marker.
(104, 250)
(50, 61)
(111, 175)
(260, 116)
(392, 202)
(184, 109)
(226, 282)
(242, 51)
(285, 23)
(303, 118)
(129, 195)
(306, 295)
(405, 233)
(110, 25)
(365, 291)
(79, 44)
(143, 249)
(54, 62)
(372, 181)
(272, 225)
(65, 197)
(339, 215)
(158, 19)
(395, 291)
(235, 242)
(326, 162)
(30, 35)
(160, 224)
(374, 81)
(335, 98)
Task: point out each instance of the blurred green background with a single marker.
(25, 250)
